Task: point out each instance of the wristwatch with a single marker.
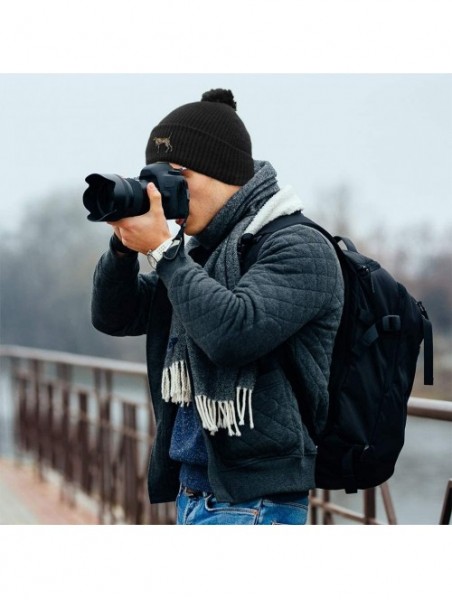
(154, 256)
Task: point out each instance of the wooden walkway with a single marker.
(25, 499)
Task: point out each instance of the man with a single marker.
(230, 443)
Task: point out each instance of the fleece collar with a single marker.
(284, 202)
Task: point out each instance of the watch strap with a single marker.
(155, 255)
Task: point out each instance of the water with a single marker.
(425, 465)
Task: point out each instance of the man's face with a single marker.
(207, 197)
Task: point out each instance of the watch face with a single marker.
(151, 260)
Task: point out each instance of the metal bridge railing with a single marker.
(71, 416)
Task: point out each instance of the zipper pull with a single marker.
(366, 272)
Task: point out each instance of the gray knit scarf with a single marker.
(223, 395)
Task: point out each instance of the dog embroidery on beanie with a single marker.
(162, 141)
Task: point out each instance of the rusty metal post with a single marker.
(22, 432)
(103, 460)
(447, 505)
(50, 438)
(103, 386)
(370, 509)
(67, 490)
(131, 466)
(83, 452)
(388, 505)
(327, 514)
(19, 391)
(313, 508)
(36, 423)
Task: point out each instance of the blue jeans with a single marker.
(206, 510)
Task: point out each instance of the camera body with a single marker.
(111, 197)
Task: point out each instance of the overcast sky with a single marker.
(388, 137)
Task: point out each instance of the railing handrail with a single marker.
(417, 407)
(75, 360)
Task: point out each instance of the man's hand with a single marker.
(147, 231)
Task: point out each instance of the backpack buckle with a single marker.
(391, 323)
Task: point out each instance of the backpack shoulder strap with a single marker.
(250, 244)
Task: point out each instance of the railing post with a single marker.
(388, 505)
(83, 456)
(50, 437)
(37, 438)
(327, 514)
(447, 505)
(67, 446)
(369, 507)
(103, 386)
(313, 508)
(22, 431)
(131, 463)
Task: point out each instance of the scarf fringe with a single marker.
(215, 414)
(176, 384)
(226, 414)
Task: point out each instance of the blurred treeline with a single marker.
(46, 280)
(46, 269)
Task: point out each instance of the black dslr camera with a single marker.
(111, 197)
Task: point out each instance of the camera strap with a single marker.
(177, 243)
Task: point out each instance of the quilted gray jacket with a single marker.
(293, 294)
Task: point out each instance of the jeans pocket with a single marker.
(284, 513)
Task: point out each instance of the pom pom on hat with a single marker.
(220, 95)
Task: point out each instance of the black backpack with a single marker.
(372, 370)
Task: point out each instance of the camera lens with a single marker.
(111, 197)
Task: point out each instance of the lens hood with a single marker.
(111, 197)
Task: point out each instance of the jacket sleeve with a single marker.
(121, 297)
(294, 281)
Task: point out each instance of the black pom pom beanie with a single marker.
(207, 136)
